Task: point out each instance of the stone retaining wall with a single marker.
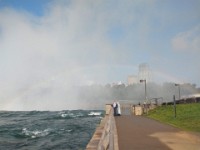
(105, 136)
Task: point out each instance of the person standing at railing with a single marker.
(118, 109)
(115, 108)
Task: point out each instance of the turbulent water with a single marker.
(38, 130)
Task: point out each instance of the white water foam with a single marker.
(72, 115)
(92, 113)
(35, 133)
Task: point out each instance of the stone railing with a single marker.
(105, 136)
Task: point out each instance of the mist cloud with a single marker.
(44, 58)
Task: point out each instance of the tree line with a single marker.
(135, 91)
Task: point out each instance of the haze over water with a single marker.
(49, 48)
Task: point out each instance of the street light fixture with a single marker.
(179, 91)
(145, 88)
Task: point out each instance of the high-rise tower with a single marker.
(144, 72)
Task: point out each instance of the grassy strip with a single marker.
(188, 116)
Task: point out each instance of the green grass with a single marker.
(187, 116)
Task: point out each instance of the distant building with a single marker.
(132, 79)
(144, 72)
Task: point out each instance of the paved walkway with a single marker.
(141, 133)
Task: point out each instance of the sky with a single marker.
(49, 46)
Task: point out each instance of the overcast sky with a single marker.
(47, 46)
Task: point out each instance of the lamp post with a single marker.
(145, 88)
(179, 91)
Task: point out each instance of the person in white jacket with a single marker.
(115, 108)
(118, 109)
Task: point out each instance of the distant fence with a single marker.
(184, 101)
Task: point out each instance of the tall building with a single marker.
(144, 72)
(132, 79)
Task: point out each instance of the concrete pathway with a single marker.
(141, 133)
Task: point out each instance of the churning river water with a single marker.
(47, 130)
